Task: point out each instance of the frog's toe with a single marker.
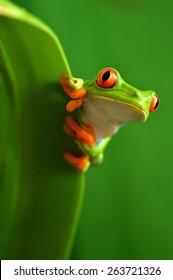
(73, 104)
(84, 134)
(74, 89)
(80, 163)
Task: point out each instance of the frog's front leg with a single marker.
(83, 134)
(74, 89)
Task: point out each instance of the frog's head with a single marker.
(136, 104)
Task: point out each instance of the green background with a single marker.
(128, 206)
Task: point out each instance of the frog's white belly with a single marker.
(106, 115)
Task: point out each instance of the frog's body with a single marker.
(98, 113)
(106, 103)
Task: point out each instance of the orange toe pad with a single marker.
(84, 134)
(81, 163)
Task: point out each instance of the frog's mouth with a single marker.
(116, 110)
(129, 111)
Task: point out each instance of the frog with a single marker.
(105, 104)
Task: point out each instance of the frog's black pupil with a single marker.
(106, 76)
(157, 104)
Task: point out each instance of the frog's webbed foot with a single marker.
(84, 134)
(74, 89)
(81, 163)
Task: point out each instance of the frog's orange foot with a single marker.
(74, 89)
(84, 134)
(73, 104)
(81, 163)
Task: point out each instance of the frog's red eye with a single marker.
(154, 103)
(107, 78)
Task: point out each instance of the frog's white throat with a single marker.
(106, 115)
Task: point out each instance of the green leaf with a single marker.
(40, 195)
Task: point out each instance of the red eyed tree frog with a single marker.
(106, 103)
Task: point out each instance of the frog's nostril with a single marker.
(135, 94)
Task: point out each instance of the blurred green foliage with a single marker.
(128, 207)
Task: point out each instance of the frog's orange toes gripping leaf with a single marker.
(73, 104)
(77, 94)
(81, 163)
(84, 134)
